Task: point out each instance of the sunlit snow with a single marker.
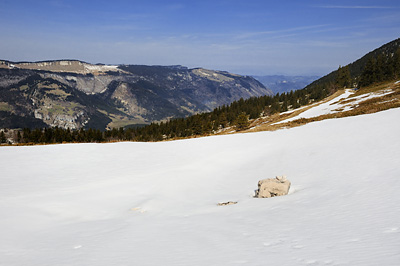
(321, 109)
(156, 203)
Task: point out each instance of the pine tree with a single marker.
(223, 121)
(343, 78)
(3, 138)
(242, 121)
(368, 75)
(380, 73)
(284, 107)
(19, 137)
(396, 63)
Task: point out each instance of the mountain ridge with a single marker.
(116, 95)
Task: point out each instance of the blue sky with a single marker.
(294, 37)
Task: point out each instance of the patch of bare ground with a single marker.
(377, 87)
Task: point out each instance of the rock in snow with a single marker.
(227, 203)
(272, 187)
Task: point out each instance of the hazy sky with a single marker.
(242, 36)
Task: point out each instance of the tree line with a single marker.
(61, 135)
(237, 115)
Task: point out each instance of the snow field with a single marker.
(156, 203)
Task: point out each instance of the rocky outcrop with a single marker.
(227, 203)
(273, 187)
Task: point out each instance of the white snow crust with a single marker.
(156, 203)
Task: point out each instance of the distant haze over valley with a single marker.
(283, 83)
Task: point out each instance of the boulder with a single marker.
(273, 187)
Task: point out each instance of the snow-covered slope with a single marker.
(321, 108)
(343, 102)
(156, 203)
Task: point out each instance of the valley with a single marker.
(74, 94)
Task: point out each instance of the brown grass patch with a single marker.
(349, 100)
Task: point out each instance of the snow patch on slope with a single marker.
(356, 100)
(321, 109)
(342, 103)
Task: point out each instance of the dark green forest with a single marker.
(380, 69)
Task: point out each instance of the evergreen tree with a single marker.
(242, 121)
(19, 137)
(3, 138)
(343, 78)
(380, 69)
(396, 64)
(223, 120)
(369, 74)
(284, 107)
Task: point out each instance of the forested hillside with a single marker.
(379, 65)
(382, 64)
(235, 115)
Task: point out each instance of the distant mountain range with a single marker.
(74, 94)
(281, 83)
